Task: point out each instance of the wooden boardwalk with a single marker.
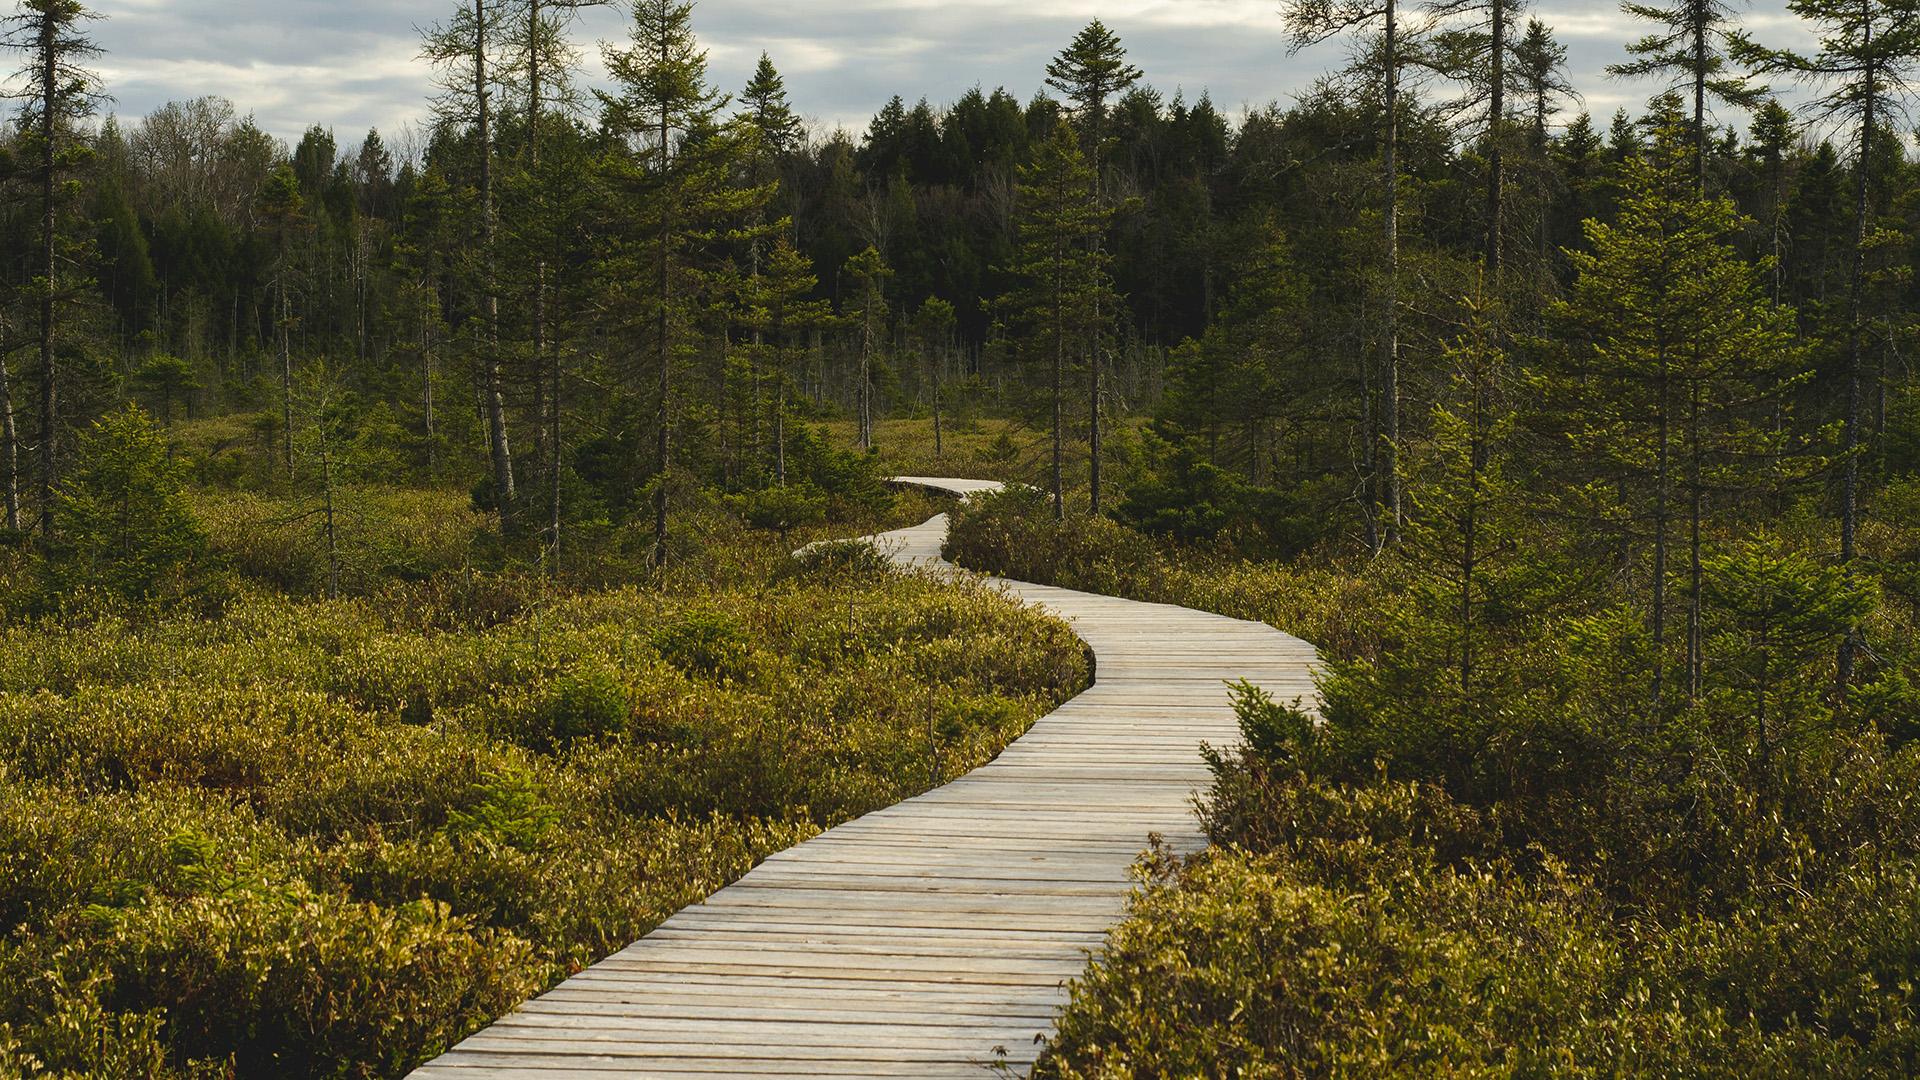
(923, 939)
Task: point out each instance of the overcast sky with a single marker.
(352, 64)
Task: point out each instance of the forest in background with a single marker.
(1586, 448)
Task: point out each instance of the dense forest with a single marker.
(397, 532)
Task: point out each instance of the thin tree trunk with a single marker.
(286, 362)
(1850, 483)
(1660, 484)
(535, 107)
(1696, 510)
(9, 438)
(1496, 124)
(866, 372)
(1389, 461)
(779, 415)
(1700, 110)
(495, 402)
(663, 444)
(49, 371)
(1059, 376)
(426, 379)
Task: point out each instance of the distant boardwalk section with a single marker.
(930, 938)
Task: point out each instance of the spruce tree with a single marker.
(867, 314)
(1089, 71)
(1690, 49)
(1678, 360)
(1465, 525)
(58, 91)
(466, 50)
(787, 317)
(1869, 50)
(282, 209)
(1383, 62)
(675, 187)
(1063, 275)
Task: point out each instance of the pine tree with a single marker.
(677, 188)
(1690, 49)
(465, 49)
(282, 209)
(1869, 50)
(1483, 57)
(1088, 71)
(1464, 526)
(1311, 22)
(867, 313)
(787, 317)
(933, 329)
(773, 133)
(1771, 141)
(1540, 80)
(545, 64)
(1063, 272)
(1684, 361)
(58, 93)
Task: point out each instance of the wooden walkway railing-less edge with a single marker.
(924, 939)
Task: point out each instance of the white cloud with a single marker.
(352, 64)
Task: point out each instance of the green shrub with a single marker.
(280, 980)
(705, 643)
(126, 532)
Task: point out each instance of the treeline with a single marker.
(579, 300)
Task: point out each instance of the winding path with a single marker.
(923, 939)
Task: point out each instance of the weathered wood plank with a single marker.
(933, 937)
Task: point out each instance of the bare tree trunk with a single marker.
(9, 438)
(426, 386)
(1696, 510)
(866, 375)
(286, 362)
(535, 109)
(662, 325)
(1093, 414)
(779, 421)
(1850, 484)
(49, 371)
(495, 403)
(1660, 484)
(1389, 462)
(1059, 376)
(1496, 131)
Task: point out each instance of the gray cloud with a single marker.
(352, 64)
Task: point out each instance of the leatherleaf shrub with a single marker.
(310, 837)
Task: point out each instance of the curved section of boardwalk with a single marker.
(924, 939)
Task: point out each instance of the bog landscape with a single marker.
(625, 578)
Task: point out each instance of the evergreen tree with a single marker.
(1869, 49)
(1062, 270)
(127, 529)
(1384, 63)
(1087, 72)
(465, 49)
(867, 313)
(281, 208)
(1684, 366)
(1690, 48)
(676, 188)
(1465, 526)
(785, 313)
(57, 94)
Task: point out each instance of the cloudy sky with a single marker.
(352, 64)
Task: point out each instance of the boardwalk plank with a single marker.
(929, 938)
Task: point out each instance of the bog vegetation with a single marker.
(396, 537)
